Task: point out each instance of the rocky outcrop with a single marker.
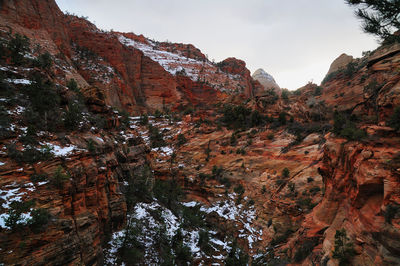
(266, 80)
(339, 63)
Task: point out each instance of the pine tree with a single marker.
(380, 18)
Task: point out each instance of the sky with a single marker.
(293, 40)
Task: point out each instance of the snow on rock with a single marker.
(61, 151)
(19, 81)
(171, 62)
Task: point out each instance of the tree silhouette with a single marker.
(380, 18)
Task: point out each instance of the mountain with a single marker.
(116, 149)
(265, 79)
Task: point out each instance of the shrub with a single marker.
(156, 138)
(39, 178)
(305, 203)
(204, 242)
(73, 86)
(42, 95)
(97, 121)
(318, 91)
(139, 189)
(285, 172)
(236, 256)
(91, 146)
(157, 113)
(73, 116)
(44, 61)
(285, 95)
(14, 218)
(394, 120)
(239, 189)
(240, 117)
(315, 190)
(270, 136)
(40, 218)
(217, 172)
(291, 186)
(264, 189)
(192, 217)
(305, 250)
(344, 126)
(181, 140)
(233, 140)
(310, 179)
(144, 120)
(390, 213)
(18, 47)
(30, 154)
(344, 250)
(279, 182)
(282, 118)
(59, 178)
(168, 193)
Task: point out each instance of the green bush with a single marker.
(344, 250)
(204, 242)
(394, 120)
(390, 213)
(239, 189)
(14, 218)
(59, 178)
(35, 178)
(139, 187)
(144, 120)
(169, 193)
(233, 140)
(305, 250)
(240, 117)
(305, 203)
(285, 95)
(73, 116)
(156, 137)
(181, 140)
(44, 61)
(236, 256)
(315, 190)
(40, 218)
(31, 154)
(282, 118)
(18, 47)
(192, 217)
(344, 126)
(285, 172)
(91, 146)
(157, 113)
(318, 91)
(131, 250)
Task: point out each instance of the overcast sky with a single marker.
(293, 40)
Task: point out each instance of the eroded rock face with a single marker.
(90, 205)
(339, 63)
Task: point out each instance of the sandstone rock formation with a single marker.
(339, 63)
(266, 80)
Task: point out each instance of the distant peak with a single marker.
(261, 73)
